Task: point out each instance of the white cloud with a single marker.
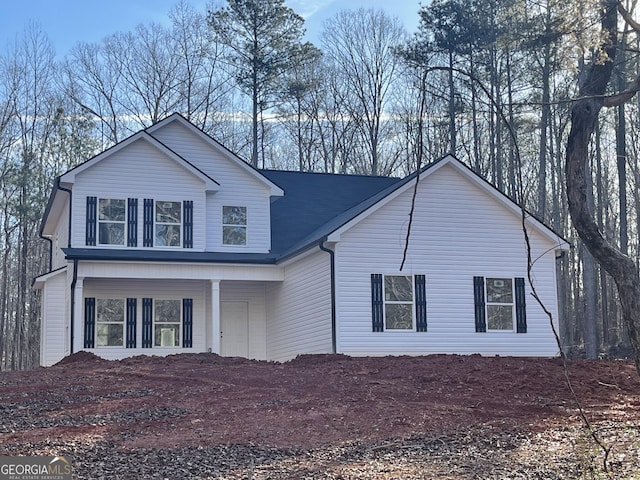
(307, 8)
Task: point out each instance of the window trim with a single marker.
(179, 224)
(123, 323)
(155, 322)
(124, 223)
(512, 304)
(234, 225)
(386, 302)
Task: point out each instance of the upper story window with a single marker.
(111, 221)
(234, 225)
(168, 224)
(112, 216)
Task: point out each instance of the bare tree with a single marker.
(584, 118)
(92, 80)
(360, 46)
(204, 82)
(30, 72)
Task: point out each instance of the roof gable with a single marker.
(365, 209)
(223, 151)
(210, 184)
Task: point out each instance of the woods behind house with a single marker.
(490, 81)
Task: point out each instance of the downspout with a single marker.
(48, 239)
(59, 187)
(333, 292)
(73, 300)
(50, 250)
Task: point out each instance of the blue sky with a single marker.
(69, 21)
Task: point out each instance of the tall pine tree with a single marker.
(265, 41)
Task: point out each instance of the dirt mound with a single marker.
(318, 403)
(80, 357)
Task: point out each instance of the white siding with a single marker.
(458, 232)
(60, 239)
(299, 309)
(155, 289)
(237, 188)
(53, 330)
(139, 171)
(254, 294)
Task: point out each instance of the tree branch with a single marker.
(628, 18)
(622, 97)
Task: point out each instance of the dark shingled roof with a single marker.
(312, 200)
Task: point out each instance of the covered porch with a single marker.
(215, 308)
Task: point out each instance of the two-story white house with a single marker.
(168, 243)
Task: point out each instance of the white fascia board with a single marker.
(210, 184)
(56, 209)
(40, 280)
(275, 191)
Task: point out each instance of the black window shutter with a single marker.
(478, 296)
(132, 222)
(90, 231)
(132, 311)
(421, 303)
(377, 303)
(147, 323)
(521, 306)
(89, 322)
(187, 207)
(187, 322)
(147, 230)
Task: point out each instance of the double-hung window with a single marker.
(167, 318)
(167, 322)
(112, 217)
(111, 221)
(110, 314)
(500, 304)
(168, 224)
(234, 225)
(398, 303)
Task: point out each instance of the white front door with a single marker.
(234, 329)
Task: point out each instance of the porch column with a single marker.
(78, 315)
(215, 316)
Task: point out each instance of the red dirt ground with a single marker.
(310, 403)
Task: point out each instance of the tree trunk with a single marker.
(477, 141)
(589, 286)
(621, 154)
(254, 126)
(584, 116)
(452, 107)
(544, 125)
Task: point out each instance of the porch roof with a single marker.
(183, 256)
